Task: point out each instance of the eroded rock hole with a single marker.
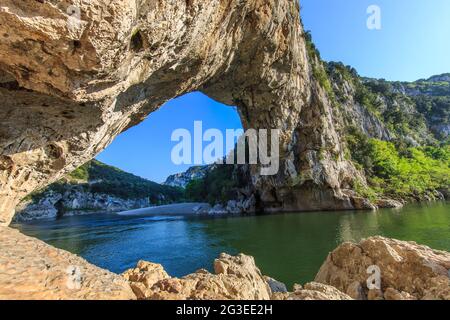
(54, 151)
(137, 42)
(11, 85)
(68, 114)
(6, 163)
(60, 209)
(7, 81)
(76, 44)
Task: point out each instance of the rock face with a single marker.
(74, 202)
(144, 276)
(312, 291)
(408, 270)
(31, 269)
(193, 173)
(432, 99)
(235, 278)
(75, 74)
(421, 104)
(389, 203)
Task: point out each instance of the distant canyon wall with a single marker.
(73, 201)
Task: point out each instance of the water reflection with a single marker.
(353, 227)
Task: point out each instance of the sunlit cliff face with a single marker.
(73, 75)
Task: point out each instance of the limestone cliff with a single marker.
(182, 179)
(415, 112)
(395, 135)
(70, 84)
(432, 99)
(73, 200)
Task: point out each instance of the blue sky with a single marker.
(145, 150)
(413, 43)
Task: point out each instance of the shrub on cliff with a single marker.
(219, 185)
(414, 171)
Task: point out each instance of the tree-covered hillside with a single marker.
(97, 177)
(399, 138)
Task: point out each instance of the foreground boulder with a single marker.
(31, 269)
(407, 270)
(144, 276)
(312, 291)
(235, 278)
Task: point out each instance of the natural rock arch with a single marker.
(69, 86)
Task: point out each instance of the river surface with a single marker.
(288, 247)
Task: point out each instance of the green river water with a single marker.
(288, 247)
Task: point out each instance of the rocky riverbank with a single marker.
(35, 270)
(32, 269)
(74, 201)
(95, 187)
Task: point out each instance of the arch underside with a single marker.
(67, 92)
